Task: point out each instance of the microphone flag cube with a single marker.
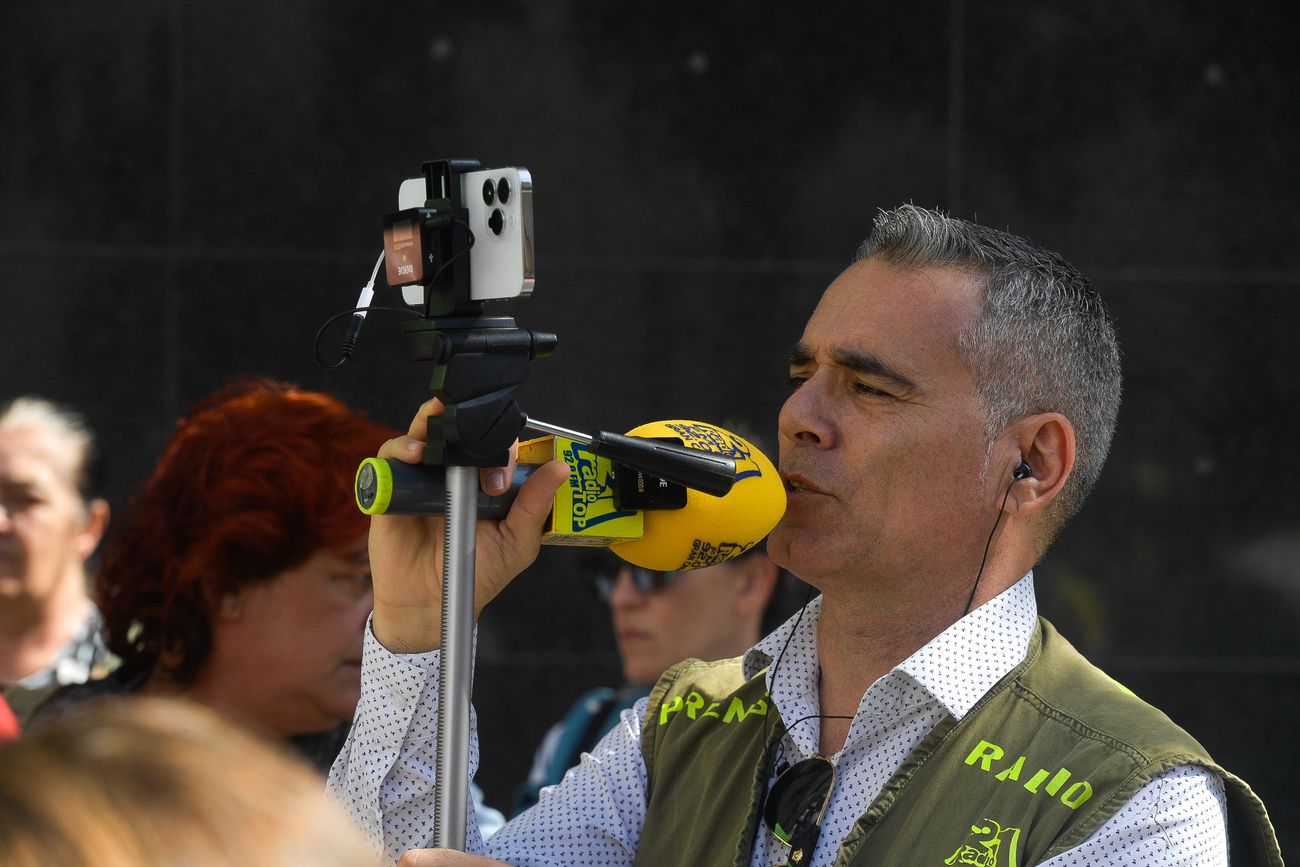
(586, 510)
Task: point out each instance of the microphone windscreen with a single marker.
(709, 530)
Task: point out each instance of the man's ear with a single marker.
(1046, 443)
(87, 539)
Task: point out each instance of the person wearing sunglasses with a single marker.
(659, 618)
(954, 394)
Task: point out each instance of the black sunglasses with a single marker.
(795, 804)
(602, 574)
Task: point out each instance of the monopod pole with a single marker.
(455, 665)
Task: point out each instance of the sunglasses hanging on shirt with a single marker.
(796, 803)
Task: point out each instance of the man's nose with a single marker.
(805, 417)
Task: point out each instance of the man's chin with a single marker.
(781, 545)
(802, 551)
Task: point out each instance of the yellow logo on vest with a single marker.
(693, 703)
(991, 843)
(986, 753)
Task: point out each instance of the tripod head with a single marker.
(479, 364)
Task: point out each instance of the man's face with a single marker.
(882, 442)
(42, 517)
(697, 615)
(295, 641)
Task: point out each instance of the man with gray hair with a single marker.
(49, 526)
(954, 396)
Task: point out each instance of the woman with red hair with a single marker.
(241, 579)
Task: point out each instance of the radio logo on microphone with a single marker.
(591, 483)
(585, 511)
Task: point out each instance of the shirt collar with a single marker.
(962, 663)
(958, 666)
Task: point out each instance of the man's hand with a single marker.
(443, 858)
(406, 550)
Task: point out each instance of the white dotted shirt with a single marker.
(593, 817)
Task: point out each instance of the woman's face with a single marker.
(45, 529)
(287, 652)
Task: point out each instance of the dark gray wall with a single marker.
(188, 190)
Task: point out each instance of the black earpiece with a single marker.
(1023, 471)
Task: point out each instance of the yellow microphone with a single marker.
(708, 530)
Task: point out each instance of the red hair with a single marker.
(256, 479)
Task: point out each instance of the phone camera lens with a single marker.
(503, 191)
(489, 192)
(497, 221)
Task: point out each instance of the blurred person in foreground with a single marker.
(156, 783)
(241, 578)
(659, 619)
(50, 524)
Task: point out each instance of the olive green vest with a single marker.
(1037, 765)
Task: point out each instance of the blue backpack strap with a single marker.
(583, 727)
(561, 754)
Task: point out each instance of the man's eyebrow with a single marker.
(857, 360)
(800, 354)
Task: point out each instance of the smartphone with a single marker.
(499, 203)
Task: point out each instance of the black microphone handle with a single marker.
(420, 489)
